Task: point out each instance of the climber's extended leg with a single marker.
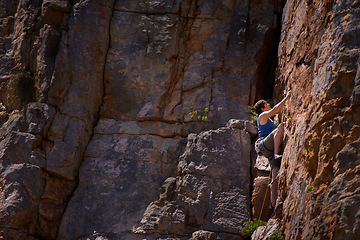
(274, 186)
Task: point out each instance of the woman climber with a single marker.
(270, 140)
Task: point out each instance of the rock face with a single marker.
(319, 60)
(260, 199)
(120, 175)
(265, 232)
(22, 163)
(95, 99)
(211, 191)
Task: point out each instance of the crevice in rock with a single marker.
(267, 57)
(96, 119)
(265, 78)
(198, 86)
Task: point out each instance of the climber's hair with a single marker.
(259, 105)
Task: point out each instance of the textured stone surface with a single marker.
(211, 190)
(167, 65)
(21, 174)
(264, 232)
(96, 93)
(129, 172)
(322, 118)
(260, 199)
(38, 64)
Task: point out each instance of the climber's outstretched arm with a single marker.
(264, 116)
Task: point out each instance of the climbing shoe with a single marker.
(271, 207)
(277, 157)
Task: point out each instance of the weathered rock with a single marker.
(203, 235)
(264, 232)
(61, 77)
(235, 123)
(52, 12)
(211, 191)
(158, 69)
(72, 81)
(262, 165)
(52, 205)
(184, 54)
(77, 89)
(21, 169)
(323, 118)
(22, 184)
(163, 129)
(129, 172)
(47, 43)
(143, 47)
(39, 117)
(260, 199)
(22, 134)
(139, 68)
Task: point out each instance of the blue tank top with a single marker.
(266, 129)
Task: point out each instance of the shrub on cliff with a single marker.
(276, 236)
(251, 226)
(202, 115)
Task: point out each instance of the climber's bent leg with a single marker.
(267, 145)
(278, 138)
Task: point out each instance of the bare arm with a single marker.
(264, 116)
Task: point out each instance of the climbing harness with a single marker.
(257, 144)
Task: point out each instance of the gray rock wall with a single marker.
(95, 99)
(211, 190)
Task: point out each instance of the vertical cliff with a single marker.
(95, 100)
(95, 130)
(319, 61)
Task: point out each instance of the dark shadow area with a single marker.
(268, 59)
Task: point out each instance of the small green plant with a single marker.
(204, 114)
(310, 188)
(251, 226)
(276, 236)
(253, 115)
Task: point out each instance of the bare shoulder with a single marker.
(263, 118)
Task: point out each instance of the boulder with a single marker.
(211, 190)
(264, 232)
(21, 187)
(260, 199)
(203, 235)
(262, 165)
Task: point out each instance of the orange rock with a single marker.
(261, 199)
